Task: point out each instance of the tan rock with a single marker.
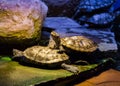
(21, 20)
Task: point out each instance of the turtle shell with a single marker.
(91, 5)
(98, 19)
(44, 55)
(79, 43)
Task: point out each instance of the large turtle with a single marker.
(45, 57)
(74, 43)
(86, 6)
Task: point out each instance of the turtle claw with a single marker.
(74, 70)
(71, 68)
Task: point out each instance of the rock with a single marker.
(116, 30)
(106, 78)
(54, 22)
(99, 20)
(87, 6)
(95, 13)
(21, 21)
(61, 7)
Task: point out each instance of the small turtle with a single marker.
(75, 43)
(86, 6)
(45, 57)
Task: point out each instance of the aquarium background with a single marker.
(99, 23)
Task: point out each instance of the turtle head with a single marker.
(54, 40)
(55, 35)
(17, 53)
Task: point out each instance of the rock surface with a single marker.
(21, 21)
(93, 5)
(103, 19)
(95, 13)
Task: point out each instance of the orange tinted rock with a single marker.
(108, 78)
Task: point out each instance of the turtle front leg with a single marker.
(70, 68)
(61, 50)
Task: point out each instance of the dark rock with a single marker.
(87, 7)
(96, 13)
(116, 30)
(61, 7)
(98, 20)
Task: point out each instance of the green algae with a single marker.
(14, 74)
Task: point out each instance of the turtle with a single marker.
(79, 43)
(74, 43)
(73, 46)
(89, 6)
(43, 56)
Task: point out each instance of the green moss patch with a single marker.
(5, 58)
